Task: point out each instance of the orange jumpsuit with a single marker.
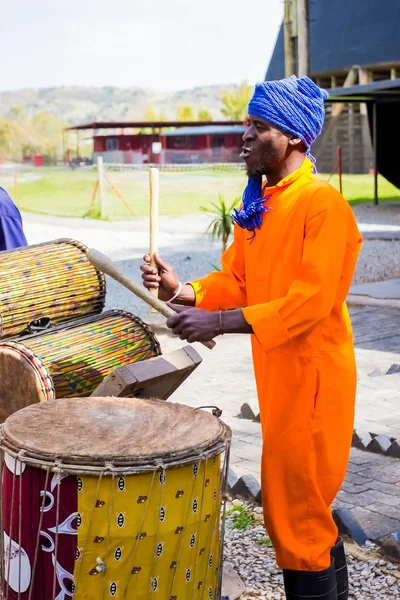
(293, 280)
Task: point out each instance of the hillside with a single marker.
(80, 104)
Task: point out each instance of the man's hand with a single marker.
(193, 324)
(163, 277)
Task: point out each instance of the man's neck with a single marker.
(289, 166)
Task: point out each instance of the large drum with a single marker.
(52, 281)
(71, 359)
(112, 498)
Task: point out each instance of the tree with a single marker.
(204, 115)
(4, 136)
(221, 225)
(150, 114)
(234, 104)
(16, 113)
(185, 113)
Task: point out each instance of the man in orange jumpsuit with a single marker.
(284, 280)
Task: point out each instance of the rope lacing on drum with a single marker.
(57, 468)
(217, 412)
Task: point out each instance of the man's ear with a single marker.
(294, 141)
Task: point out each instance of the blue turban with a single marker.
(295, 106)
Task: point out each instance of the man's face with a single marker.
(265, 147)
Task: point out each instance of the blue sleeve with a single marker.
(11, 233)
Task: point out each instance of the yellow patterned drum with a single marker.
(53, 281)
(123, 498)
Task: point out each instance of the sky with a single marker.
(163, 45)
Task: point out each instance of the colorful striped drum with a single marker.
(112, 498)
(53, 280)
(71, 359)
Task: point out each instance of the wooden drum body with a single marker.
(53, 281)
(71, 359)
(109, 497)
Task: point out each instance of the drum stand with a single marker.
(157, 377)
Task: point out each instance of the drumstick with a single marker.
(107, 266)
(153, 180)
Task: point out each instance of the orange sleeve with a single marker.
(331, 246)
(225, 289)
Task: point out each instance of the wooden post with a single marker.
(100, 179)
(303, 38)
(365, 130)
(289, 39)
(375, 144)
(15, 187)
(154, 181)
(339, 165)
(64, 156)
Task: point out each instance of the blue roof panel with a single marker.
(205, 130)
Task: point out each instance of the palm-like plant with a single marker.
(221, 226)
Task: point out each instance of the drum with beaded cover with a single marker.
(112, 498)
(52, 282)
(71, 359)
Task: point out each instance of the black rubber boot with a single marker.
(310, 585)
(342, 579)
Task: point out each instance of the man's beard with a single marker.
(254, 171)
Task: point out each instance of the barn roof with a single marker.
(378, 91)
(344, 33)
(147, 124)
(206, 130)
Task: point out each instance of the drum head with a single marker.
(23, 379)
(123, 431)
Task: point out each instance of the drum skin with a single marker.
(136, 517)
(53, 280)
(71, 359)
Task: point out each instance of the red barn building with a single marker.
(162, 142)
(205, 143)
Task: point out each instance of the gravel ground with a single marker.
(371, 577)
(378, 260)
(383, 214)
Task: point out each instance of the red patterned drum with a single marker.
(112, 498)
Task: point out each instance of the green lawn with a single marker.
(68, 193)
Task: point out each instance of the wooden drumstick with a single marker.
(153, 180)
(107, 266)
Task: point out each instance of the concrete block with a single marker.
(250, 410)
(348, 525)
(248, 487)
(361, 439)
(231, 480)
(379, 444)
(232, 586)
(393, 450)
(391, 546)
